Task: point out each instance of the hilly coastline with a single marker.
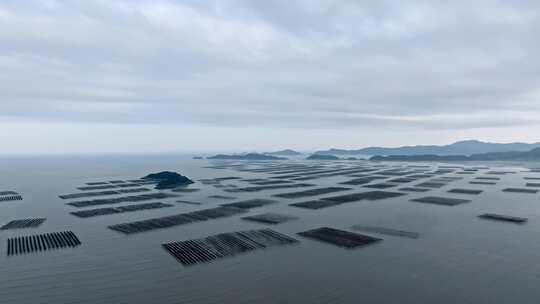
(466, 147)
(286, 152)
(532, 155)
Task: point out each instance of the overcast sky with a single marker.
(162, 76)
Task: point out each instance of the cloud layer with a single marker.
(305, 66)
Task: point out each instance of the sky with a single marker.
(157, 76)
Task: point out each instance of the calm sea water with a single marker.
(457, 259)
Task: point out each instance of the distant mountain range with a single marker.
(286, 152)
(466, 147)
(532, 155)
(248, 156)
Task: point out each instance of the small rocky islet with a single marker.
(168, 179)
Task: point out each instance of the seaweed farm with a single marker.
(176, 220)
(502, 217)
(465, 191)
(121, 209)
(438, 200)
(387, 231)
(339, 237)
(41, 242)
(92, 230)
(122, 199)
(10, 196)
(225, 244)
(270, 218)
(23, 223)
(102, 193)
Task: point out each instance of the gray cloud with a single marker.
(426, 65)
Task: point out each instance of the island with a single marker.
(322, 157)
(198, 157)
(168, 179)
(286, 152)
(248, 156)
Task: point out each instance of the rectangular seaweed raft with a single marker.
(123, 199)
(501, 217)
(225, 244)
(347, 198)
(268, 187)
(41, 242)
(312, 192)
(381, 185)
(102, 193)
(270, 218)
(177, 219)
(414, 189)
(369, 195)
(362, 180)
(121, 209)
(252, 203)
(87, 194)
(520, 190)
(315, 204)
(437, 200)
(482, 183)
(465, 191)
(339, 237)
(96, 183)
(9, 192)
(387, 231)
(10, 198)
(23, 223)
(431, 184)
(488, 178)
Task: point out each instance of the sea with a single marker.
(457, 257)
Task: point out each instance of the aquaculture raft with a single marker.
(520, 190)
(268, 187)
(482, 183)
(123, 199)
(382, 185)
(41, 242)
(315, 204)
(270, 218)
(23, 223)
(437, 200)
(431, 184)
(176, 220)
(465, 191)
(362, 180)
(347, 198)
(109, 186)
(252, 203)
(414, 189)
(506, 218)
(312, 192)
(102, 193)
(225, 244)
(339, 237)
(387, 231)
(488, 178)
(122, 209)
(2, 193)
(10, 198)
(369, 195)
